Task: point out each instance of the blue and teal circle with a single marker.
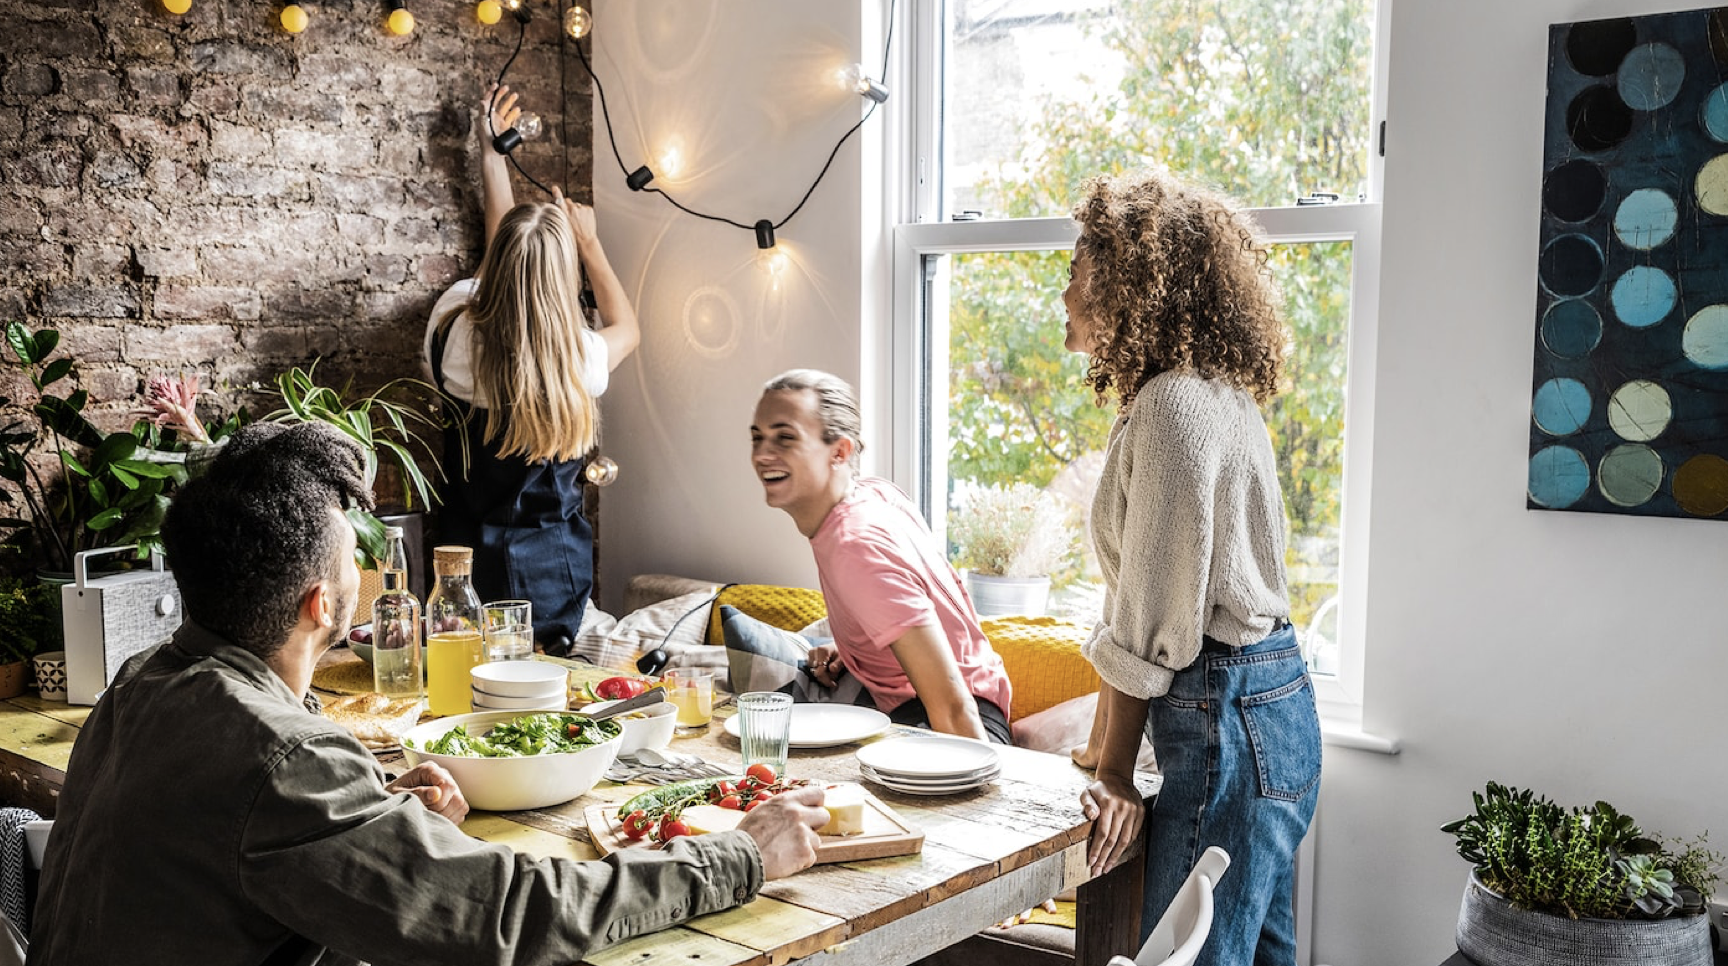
(1714, 113)
(1650, 76)
(1558, 477)
(1561, 406)
(1646, 218)
(1705, 340)
(1629, 475)
(1643, 296)
(1571, 328)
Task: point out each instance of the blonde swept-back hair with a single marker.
(1178, 281)
(528, 355)
(836, 405)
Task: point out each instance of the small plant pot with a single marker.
(14, 678)
(1493, 932)
(1005, 596)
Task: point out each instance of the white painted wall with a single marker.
(748, 95)
(1580, 654)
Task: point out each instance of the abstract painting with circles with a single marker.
(1629, 411)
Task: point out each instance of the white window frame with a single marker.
(917, 233)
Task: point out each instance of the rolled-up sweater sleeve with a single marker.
(332, 856)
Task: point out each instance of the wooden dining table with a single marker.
(987, 854)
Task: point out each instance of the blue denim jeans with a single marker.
(1238, 743)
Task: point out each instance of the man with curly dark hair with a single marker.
(211, 815)
(1170, 296)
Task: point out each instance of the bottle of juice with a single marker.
(454, 643)
(396, 626)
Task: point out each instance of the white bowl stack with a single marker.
(520, 686)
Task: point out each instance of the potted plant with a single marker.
(25, 630)
(1009, 539)
(388, 424)
(1561, 885)
(81, 487)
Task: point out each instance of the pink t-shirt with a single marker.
(882, 575)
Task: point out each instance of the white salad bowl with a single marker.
(511, 784)
(650, 727)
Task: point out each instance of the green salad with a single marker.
(549, 733)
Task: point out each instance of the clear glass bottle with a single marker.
(454, 639)
(396, 626)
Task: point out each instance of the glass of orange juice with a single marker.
(691, 691)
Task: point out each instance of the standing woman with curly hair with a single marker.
(1171, 298)
(514, 346)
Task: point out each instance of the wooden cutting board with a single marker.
(885, 833)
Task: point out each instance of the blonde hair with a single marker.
(528, 355)
(1178, 281)
(836, 405)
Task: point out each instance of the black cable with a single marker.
(606, 116)
(497, 87)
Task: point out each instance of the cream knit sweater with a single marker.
(1189, 526)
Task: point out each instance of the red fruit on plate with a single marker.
(617, 689)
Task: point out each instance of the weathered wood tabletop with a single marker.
(987, 854)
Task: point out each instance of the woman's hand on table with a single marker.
(784, 828)
(1116, 810)
(825, 664)
(429, 782)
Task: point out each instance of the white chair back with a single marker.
(1183, 928)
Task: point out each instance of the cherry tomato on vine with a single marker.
(732, 802)
(725, 788)
(671, 829)
(636, 825)
(762, 772)
(751, 805)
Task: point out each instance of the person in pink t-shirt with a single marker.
(902, 624)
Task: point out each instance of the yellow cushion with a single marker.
(788, 608)
(1042, 657)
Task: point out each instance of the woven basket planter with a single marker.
(1493, 932)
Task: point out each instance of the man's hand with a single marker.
(429, 782)
(825, 664)
(784, 828)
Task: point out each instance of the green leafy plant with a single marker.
(26, 618)
(1582, 862)
(388, 424)
(103, 494)
(1014, 530)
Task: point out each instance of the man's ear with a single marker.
(843, 450)
(318, 605)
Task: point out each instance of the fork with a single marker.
(693, 765)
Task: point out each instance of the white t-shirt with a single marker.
(459, 349)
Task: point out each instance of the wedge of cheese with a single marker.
(845, 805)
(703, 819)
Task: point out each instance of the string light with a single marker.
(488, 11)
(577, 22)
(400, 21)
(518, 9)
(855, 80)
(638, 179)
(177, 6)
(294, 18)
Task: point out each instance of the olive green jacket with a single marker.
(208, 817)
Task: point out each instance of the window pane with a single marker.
(1265, 99)
(1020, 411)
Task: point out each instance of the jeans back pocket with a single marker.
(1284, 730)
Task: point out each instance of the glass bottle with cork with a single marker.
(396, 626)
(454, 640)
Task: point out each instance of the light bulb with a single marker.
(671, 161)
(488, 11)
(529, 126)
(512, 5)
(772, 262)
(294, 18)
(601, 471)
(852, 78)
(577, 22)
(401, 22)
(177, 6)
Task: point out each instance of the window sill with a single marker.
(1349, 734)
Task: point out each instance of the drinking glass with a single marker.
(509, 630)
(691, 690)
(765, 728)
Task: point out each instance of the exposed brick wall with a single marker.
(210, 193)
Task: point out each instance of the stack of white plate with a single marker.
(932, 765)
(520, 686)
